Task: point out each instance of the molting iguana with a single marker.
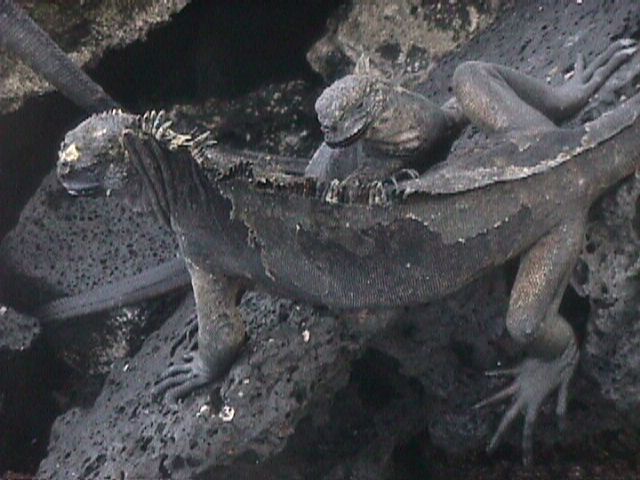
(395, 129)
(249, 220)
(373, 129)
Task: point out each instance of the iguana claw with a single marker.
(588, 79)
(535, 380)
(180, 380)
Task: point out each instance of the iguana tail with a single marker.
(24, 38)
(156, 281)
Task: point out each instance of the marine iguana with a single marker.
(394, 128)
(527, 194)
(375, 129)
(432, 219)
(390, 128)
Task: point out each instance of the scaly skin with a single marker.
(243, 223)
(452, 225)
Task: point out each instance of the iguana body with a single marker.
(374, 128)
(242, 221)
(245, 221)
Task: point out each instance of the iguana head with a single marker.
(347, 108)
(92, 158)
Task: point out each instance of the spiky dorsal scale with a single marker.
(156, 124)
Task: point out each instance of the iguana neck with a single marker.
(407, 124)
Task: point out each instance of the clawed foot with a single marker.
(535, 380)
(400, 176)
(587, 80)
(179, 381)
(404, 174)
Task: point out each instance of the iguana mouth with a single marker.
(79, 188)
(346, 141)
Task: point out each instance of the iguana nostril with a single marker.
(63, 168)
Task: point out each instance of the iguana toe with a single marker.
(534, 380)
(178, 381)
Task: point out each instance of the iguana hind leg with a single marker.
(534, 322)
(221, 334)
(500, 99)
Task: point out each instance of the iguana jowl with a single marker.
(244, 220)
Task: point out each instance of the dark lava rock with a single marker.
(64, 245)
(403, 409)
(84, 29)
(609, 273)
(25, 400)
(400, 37)
(295, 359)
(17, 332)
(277, 118)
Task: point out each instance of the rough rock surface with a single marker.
(17, 332)
(403, 409)
(295, 362)
(24, 405)
(48, 255)
(609, 274)
(294, 358)
(84, 29)
(400, 37)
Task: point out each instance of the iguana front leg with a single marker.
(221, 334)
(175, 190)
(534, 322)
(499, 99)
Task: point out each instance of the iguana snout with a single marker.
(346, 109)
(92, 158)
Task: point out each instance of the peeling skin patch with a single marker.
(70, 154)
(227, 413)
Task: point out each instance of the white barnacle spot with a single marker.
(227, 413)
(474, 18)
(205, 411)
(125, 368)
(408, 265)
(3, 310)
(70, 154)
(306, 335)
